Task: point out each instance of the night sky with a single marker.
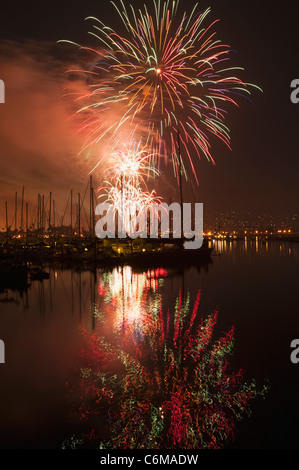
(39, 143)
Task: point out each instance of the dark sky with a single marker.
(260, 174)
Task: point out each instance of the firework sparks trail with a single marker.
(131, 164)
(167, 77)
(128, 169)
(125, 200)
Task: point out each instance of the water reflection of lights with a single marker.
(173, 389)
(256, 244)
(128, 295)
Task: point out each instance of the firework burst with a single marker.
(167, 78)
(131, 165)
(128, 170)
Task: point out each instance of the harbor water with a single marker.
(103, 355)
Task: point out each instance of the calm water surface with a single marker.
(149, 317)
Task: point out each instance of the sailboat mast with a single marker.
(79, 216)
(26, 222)
(50, 210)
(6, 221)
(71, 213)
(181, 188)
(22, 207)
(16, 209)
(90, 206)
